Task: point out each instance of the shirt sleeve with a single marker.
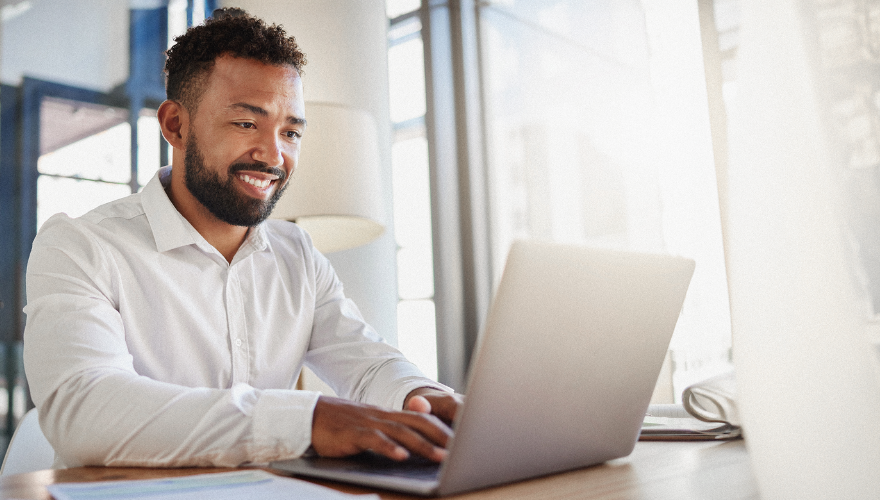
(96, 410)
(349, 354)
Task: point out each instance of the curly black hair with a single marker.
(229, 31)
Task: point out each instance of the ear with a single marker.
(174, 122)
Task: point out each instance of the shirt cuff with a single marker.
(399, 396)
(282, 424)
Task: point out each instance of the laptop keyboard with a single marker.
(414, 467)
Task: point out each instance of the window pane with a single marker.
(412, 218)
(73, 197)
(415, 273)
(412, 193)
(411, 190)
(406, 72)
(86, 140)
(104, 156)
(417, 334)
(394, 8)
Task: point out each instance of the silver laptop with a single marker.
(565, 370)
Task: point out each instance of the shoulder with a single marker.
(125, 208)
(98, 220)
(292, 244)
(65, 253)
(63, 239)
(285, 229)
(85, 236)
(286, 236)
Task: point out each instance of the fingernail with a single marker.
(440, 453)
(401, 452)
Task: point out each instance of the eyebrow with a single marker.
(293, 120)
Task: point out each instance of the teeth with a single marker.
(255, 182)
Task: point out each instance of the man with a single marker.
(168, 328)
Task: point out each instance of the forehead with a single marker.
(238, 80)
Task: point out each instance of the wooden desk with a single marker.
(655, 470)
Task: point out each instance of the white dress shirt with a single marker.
(145, 347)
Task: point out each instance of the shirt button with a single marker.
(237, 342)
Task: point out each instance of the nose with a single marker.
(269, 151)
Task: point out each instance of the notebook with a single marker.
(562, 376)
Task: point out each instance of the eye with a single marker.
(245, 125)
(293, 134)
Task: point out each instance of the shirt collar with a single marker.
(171, 229)
(257, 237)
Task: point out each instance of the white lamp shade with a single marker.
(335, 192)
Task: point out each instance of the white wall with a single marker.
(77, 42)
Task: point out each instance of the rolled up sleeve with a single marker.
(350, 355)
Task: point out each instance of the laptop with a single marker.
(562, 376)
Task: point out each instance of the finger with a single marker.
(418, 404)
(341, 428)
(445, 406)
(413, 441)
(378, 442)
(395, 439)
(429, 426)
(359, 437)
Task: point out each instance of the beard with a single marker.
(222, 198)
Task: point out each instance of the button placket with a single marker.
(237, 328)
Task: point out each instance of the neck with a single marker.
(225, 237)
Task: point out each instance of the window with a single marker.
(85, 156)
(417, 336)
(597, 127)
(594, 126)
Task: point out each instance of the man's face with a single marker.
(220, 195)
(243, 141)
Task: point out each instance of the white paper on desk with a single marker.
(237, 485)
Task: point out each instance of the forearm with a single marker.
(121, 419)
(393, 383)
(369, 372)
(95, 409)
(350, 356)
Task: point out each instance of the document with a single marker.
(709, 412)
(237, 485)
(674, 423)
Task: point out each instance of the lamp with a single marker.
(334, 193)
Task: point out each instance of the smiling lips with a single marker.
(259, 183)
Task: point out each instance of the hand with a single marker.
(443, 405)
(341, 428)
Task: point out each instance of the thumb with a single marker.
(419, 404)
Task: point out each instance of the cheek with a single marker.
(217, 154)
(232, 152)
(292, 160)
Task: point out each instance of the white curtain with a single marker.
(807, 373)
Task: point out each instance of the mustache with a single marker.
(258, 167)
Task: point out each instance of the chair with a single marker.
(28, 449)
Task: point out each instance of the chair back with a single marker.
(28, 449)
